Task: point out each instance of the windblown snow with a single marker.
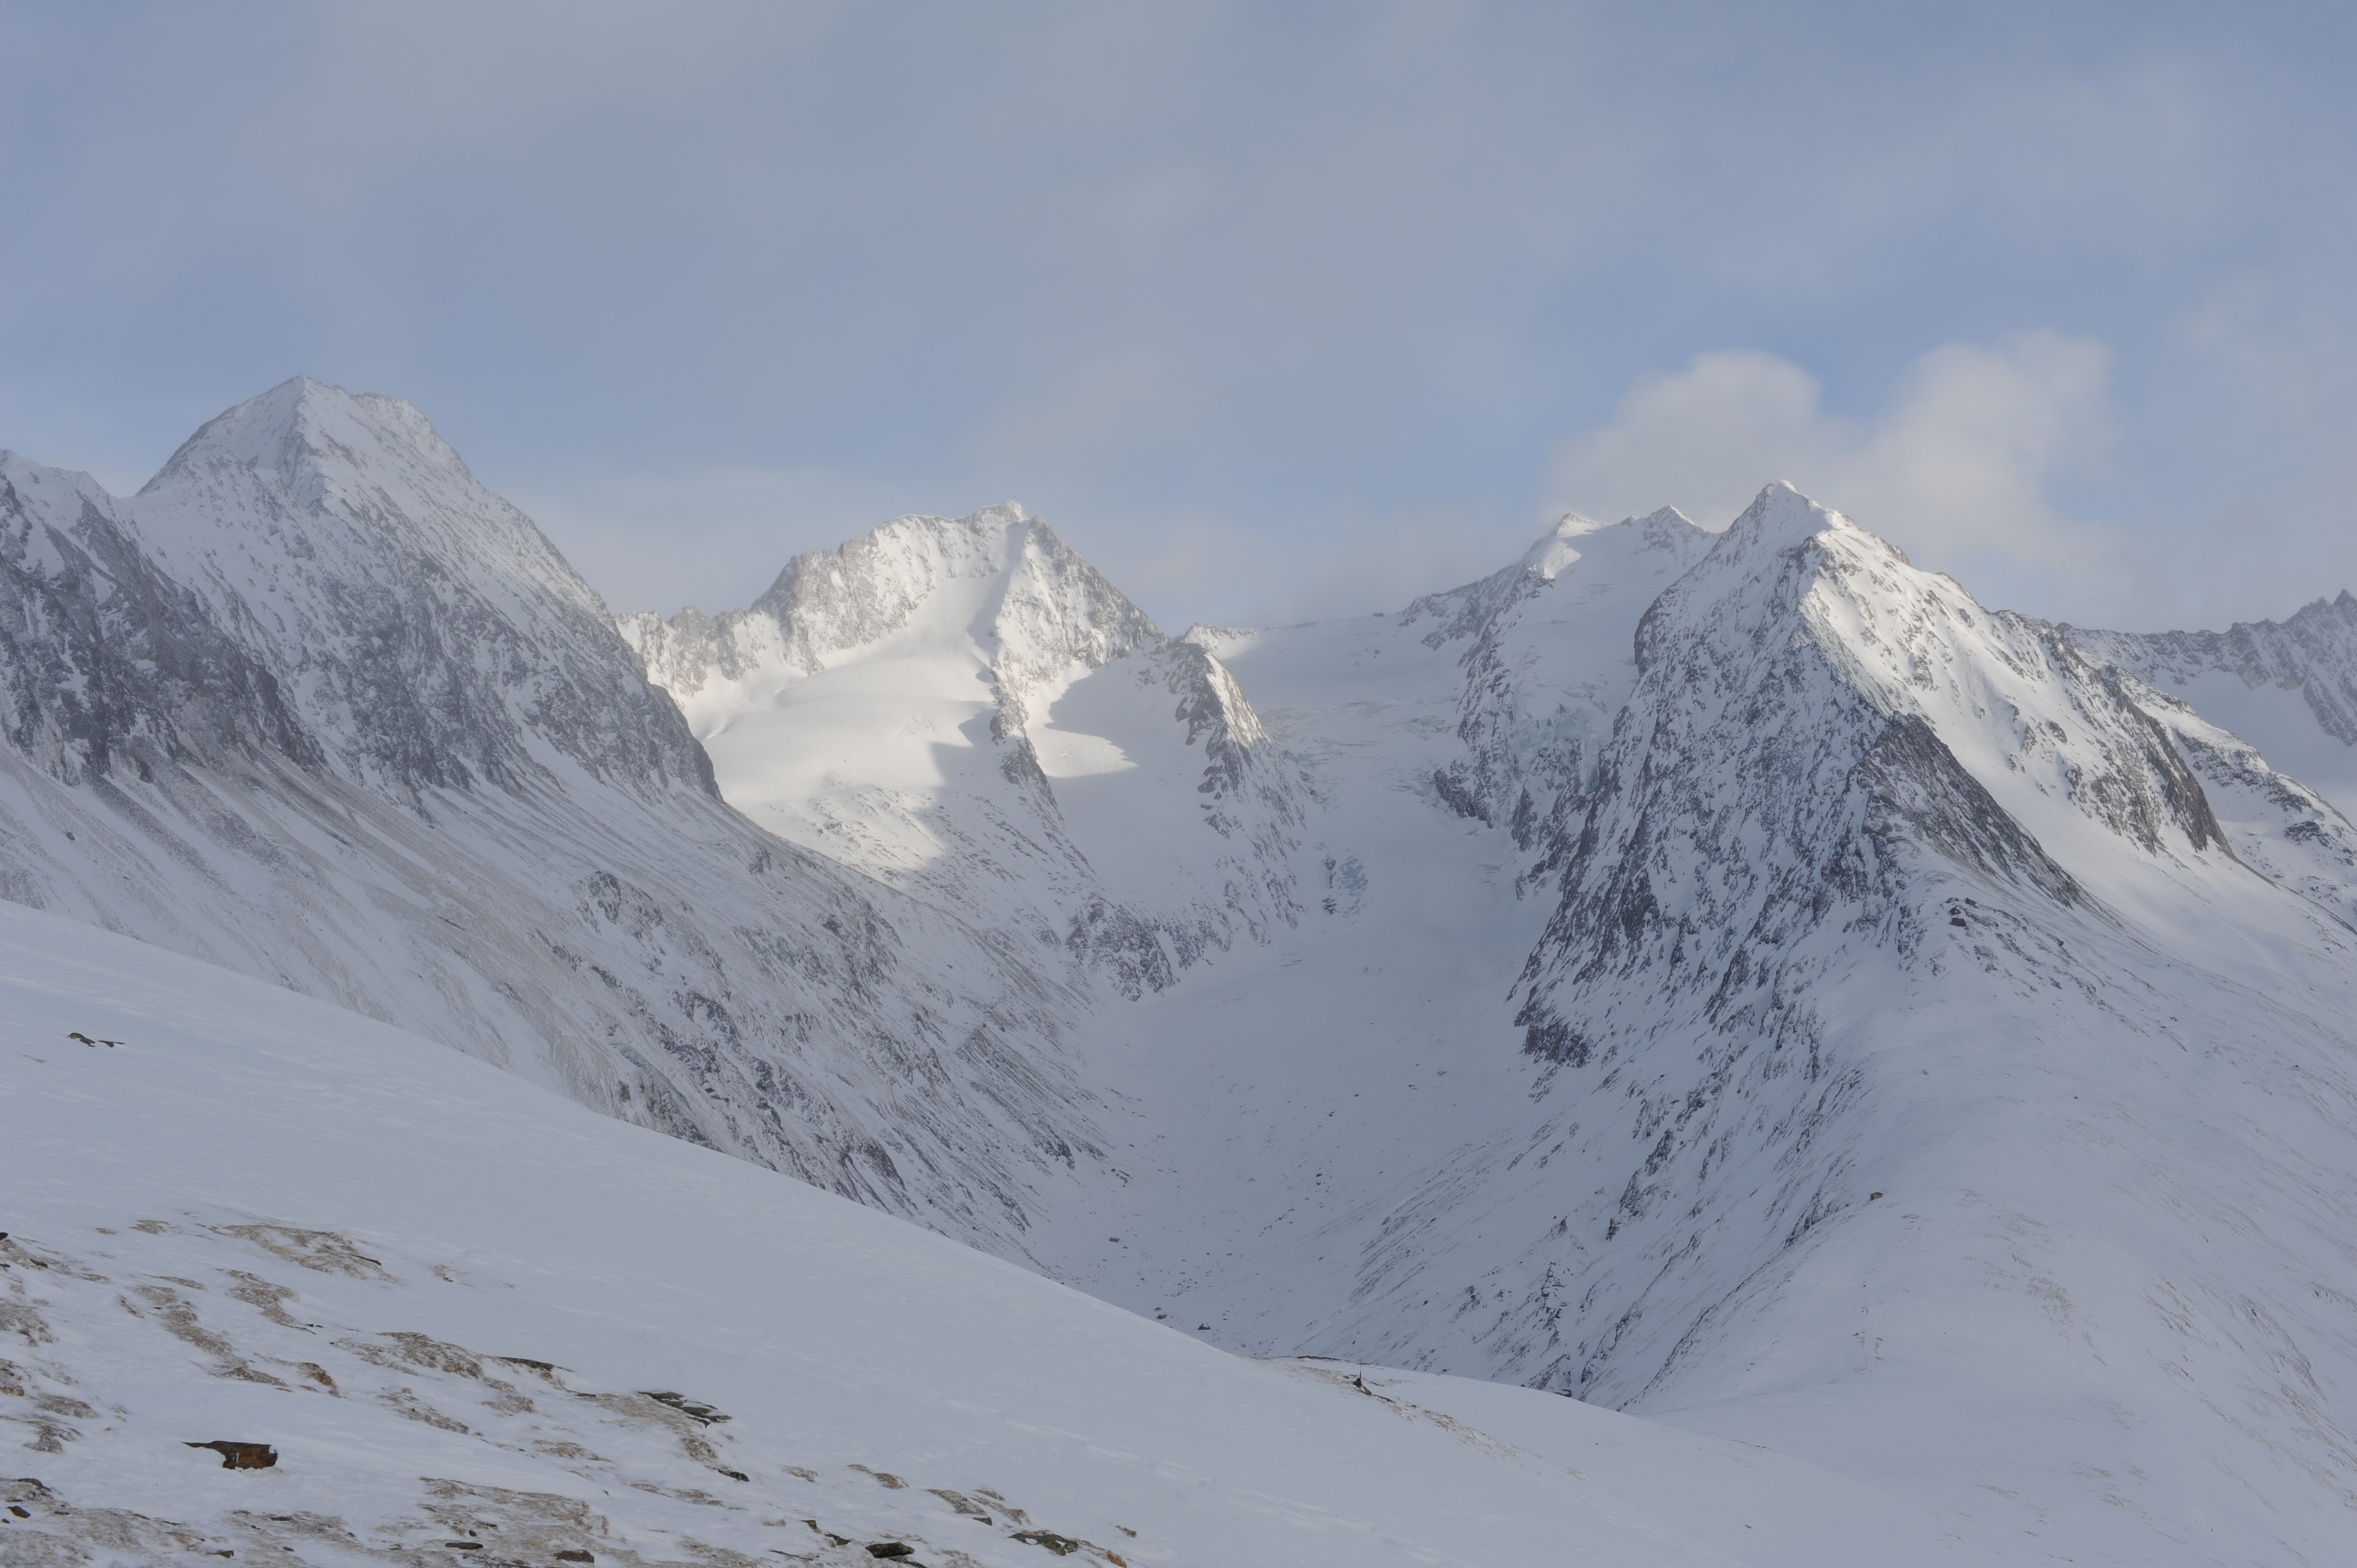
(1887, 1061)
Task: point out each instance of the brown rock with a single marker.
(242, 1455)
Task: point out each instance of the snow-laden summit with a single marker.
(965, 708)
(324, 445)
(999, 579)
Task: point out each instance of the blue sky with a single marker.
(1273, 310)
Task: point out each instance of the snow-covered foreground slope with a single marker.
(967, 709)
(317, 707)
(477, 1322)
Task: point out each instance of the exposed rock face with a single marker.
(107, 663)
(316, 706)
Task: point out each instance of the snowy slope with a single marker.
(967, 709)
(259, 1218)
(316, 706)
(1280, 1106)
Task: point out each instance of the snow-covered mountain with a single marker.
(1948, 916)
(316, 706)
(1733, 978)
(261, 1219)
(1683, 892)
(966, 709)
(1938, 1060)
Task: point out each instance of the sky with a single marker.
(1274, 311)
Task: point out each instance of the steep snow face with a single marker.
(967, 709)
(2289, 687)
(315, 706)
(252, 1217)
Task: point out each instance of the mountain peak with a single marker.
(1779, 517)
(1555, 551)
(312, 435)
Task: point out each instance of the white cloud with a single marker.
(1703, 440)
(1961, 468)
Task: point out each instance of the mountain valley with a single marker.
(1706, 1004)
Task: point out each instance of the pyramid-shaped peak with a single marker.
(311, 435)
(1756, 572)
(1780, 516)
